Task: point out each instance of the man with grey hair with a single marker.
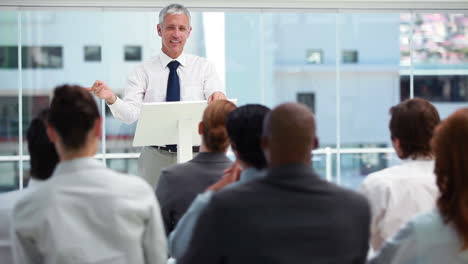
(170, 76)
(290, 215)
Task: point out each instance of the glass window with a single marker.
(9, 180)
(291, 76)
(92, 53)
(440, 60)
(53, 56)
(440, 40)
(368, 88)
(9, 104)
(350, 56)
(127, 165)
(349, 68)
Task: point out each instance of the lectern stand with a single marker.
(168, 123)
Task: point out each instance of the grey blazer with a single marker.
(289, 216)
(180, 184)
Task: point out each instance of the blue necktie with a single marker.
(173, 86)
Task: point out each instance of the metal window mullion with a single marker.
(20, 104)
(338, 95)
(411, 44)
(262, 57)
(328, 164)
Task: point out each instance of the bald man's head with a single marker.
(289, 135)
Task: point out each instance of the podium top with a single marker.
(158, 122)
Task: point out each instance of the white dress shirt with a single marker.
(398, 193)
(426, 239)
(148, 83)
(7, 202)
(86, 213)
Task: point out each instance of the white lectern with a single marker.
(170, 123)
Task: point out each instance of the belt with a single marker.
(173, 148)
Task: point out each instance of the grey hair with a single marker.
(176, 9)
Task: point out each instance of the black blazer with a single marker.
(291, 216)
(180, 184)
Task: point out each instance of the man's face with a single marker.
(174, 32)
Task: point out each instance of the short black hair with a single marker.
(413, 122)
(43, 156)
(73, 112)
(244, 126)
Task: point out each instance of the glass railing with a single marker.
(352, 167)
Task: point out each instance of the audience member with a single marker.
(179, 184)
(86, 213)
(398, 193)
(43, 159)
(244, 127)
(441, 235)
(289, 216)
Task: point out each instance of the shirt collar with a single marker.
(251, 174)
(182, 59)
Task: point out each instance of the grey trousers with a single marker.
(151, 163)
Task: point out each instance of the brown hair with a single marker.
(215, 135)
(43, 155)
(412, 123)
(73, 112)
(450, 145)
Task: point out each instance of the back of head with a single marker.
(73, 113)
(43, 156)
(412, 123)
(450, 146)
(215, 135)
(175, 9)
(290, 132)
(244, 127)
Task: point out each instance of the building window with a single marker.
(33, 57)
(36, 57)
(442, 88)
(308, 99)
(8, 57)
(92, 53)
(132, 53)
(314, 56)
(349, 56)
(9, 119)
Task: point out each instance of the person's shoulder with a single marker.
(126, 183)
(401, 173)
(348, 196)
(384, 176)
(147, 65)
(428, 220)
(152, 61)
(33, 201)
(235, 192)
(194, 59)
(177, 171)
(8, 199)
(430, 227)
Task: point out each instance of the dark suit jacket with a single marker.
(180, 184)
(291, 216)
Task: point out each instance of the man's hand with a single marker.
(101, 90)
(217, 96)
(231, 174)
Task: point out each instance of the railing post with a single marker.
(328, 164)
